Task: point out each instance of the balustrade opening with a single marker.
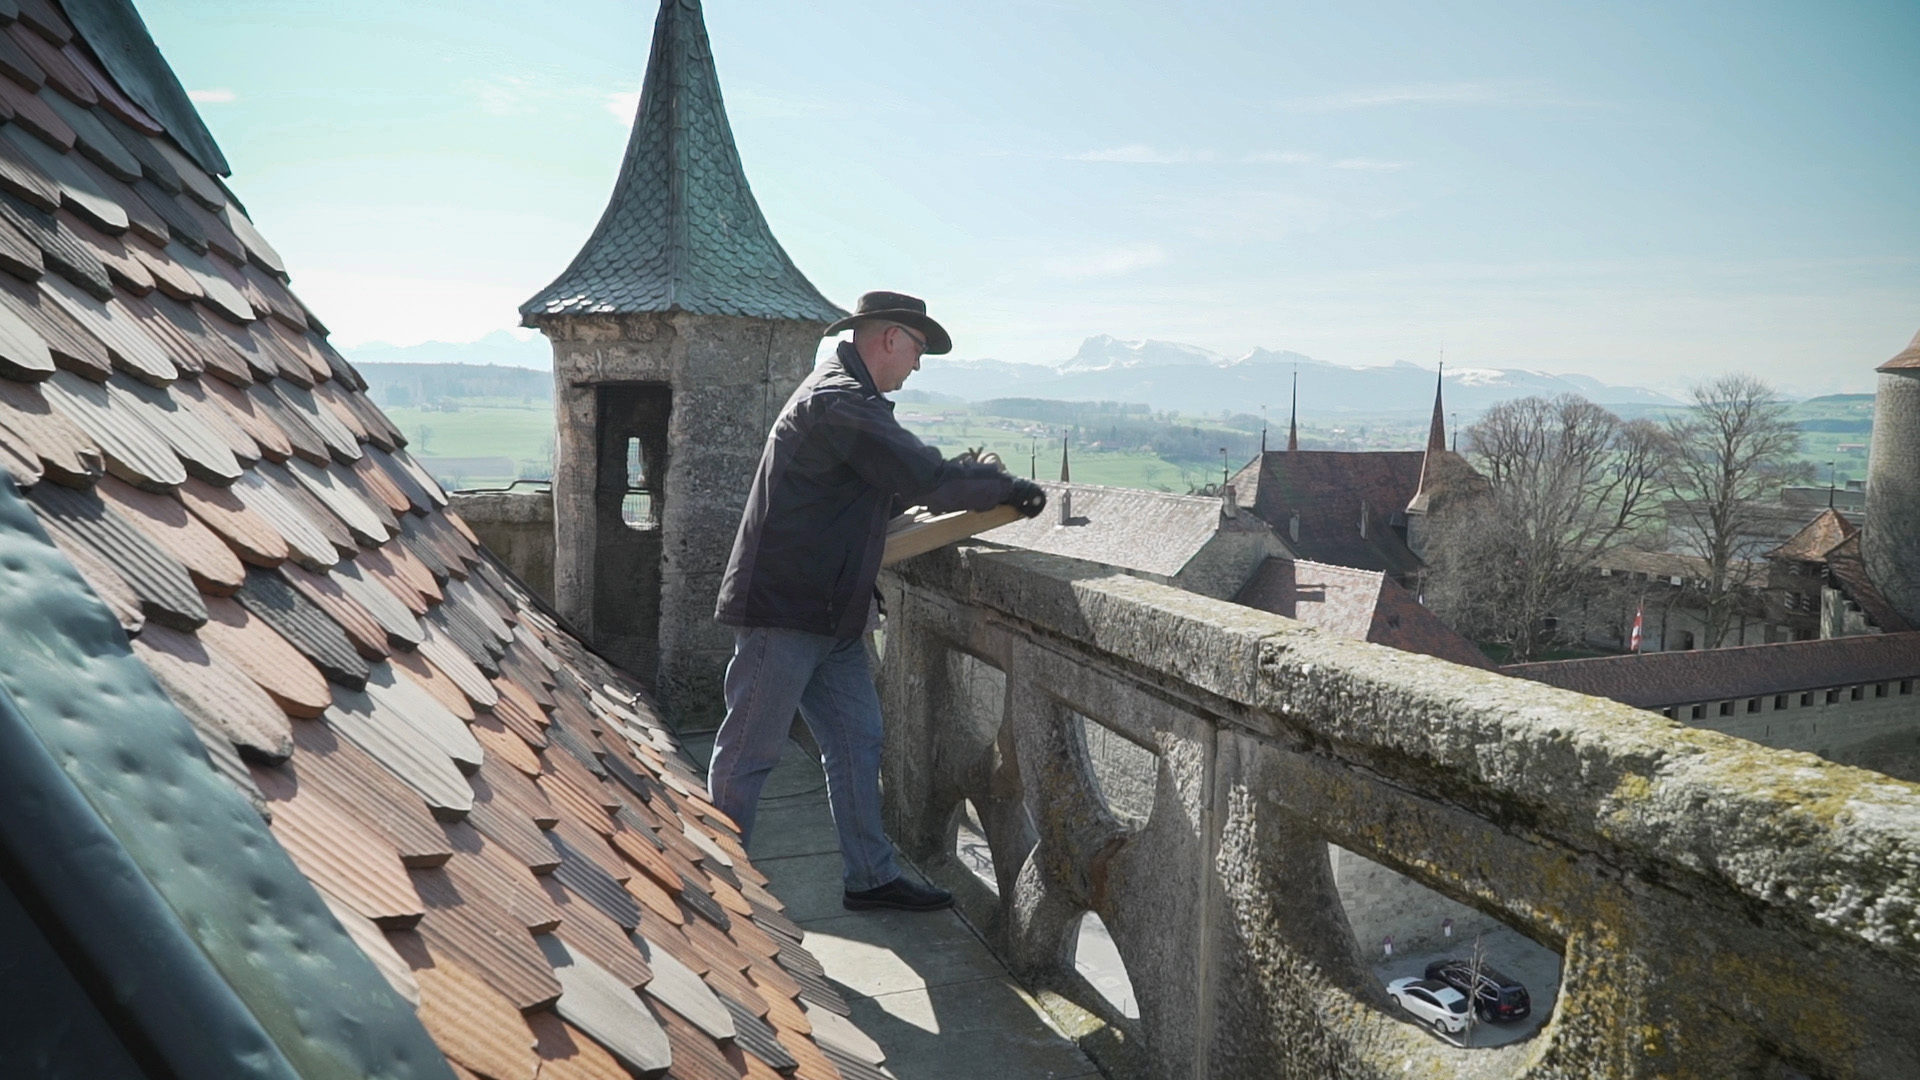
(1124, 772)
(1097, 960)
(1402, 927)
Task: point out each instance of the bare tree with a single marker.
(1570, 482)
(1734, 448)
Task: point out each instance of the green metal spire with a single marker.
(682, 231)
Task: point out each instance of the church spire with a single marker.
(1064, 477)
(1437, 430)
(682, 231)
(1293, 414)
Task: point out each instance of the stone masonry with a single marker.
(1721, 909)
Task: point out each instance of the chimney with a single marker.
(1066, 504)
(1229, 501)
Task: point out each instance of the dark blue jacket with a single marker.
(837, 466)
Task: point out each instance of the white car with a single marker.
(1438, 1005)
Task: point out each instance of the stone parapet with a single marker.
(1722, 909)
(517, 526)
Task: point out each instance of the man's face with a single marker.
(897, 357)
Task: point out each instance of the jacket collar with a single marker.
(849, 358)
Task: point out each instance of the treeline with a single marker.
(1117, 425)
(403, 385)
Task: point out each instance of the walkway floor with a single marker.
(924, 986)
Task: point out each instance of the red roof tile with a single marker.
(1657, 680)
(430, 744)
(1906, 359)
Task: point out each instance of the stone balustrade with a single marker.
(1721, 909)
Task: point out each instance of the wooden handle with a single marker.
(916, 533)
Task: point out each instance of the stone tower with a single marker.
(1891, 540)
(678, 331)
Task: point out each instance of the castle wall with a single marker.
(1874, 726)
(1891, 540)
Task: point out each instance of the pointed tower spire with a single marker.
(682, 231)
(1436, 445)
(1437, 430)
(1064, 477)
(1293, 415)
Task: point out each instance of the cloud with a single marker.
(216, 95)
(1106, 263)
(1497, 93)
(622, 104)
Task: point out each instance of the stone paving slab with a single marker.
(965, 1031)
(922, 984)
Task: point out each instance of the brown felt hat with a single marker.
(900, 308)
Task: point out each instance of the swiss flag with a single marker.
(1633, 640)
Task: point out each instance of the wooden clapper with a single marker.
(917, 531)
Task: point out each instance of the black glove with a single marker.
(1027, 497)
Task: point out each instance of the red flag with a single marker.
(1633, 640)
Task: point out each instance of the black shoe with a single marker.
(901, 895)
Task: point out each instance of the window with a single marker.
(1668, 712)
(1806, 699)
(1753, 704)
(1906, 686)
(1726, 708)
(1779, 701)
(1879, 689)
(1833, 697)
(1857, 693)
(1699, 711)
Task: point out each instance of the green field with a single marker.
(489, 442)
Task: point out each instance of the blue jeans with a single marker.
(773, 672)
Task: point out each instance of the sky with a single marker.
(1647, 193)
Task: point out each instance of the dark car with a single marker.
(1497, 999)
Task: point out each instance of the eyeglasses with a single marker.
(917, 339)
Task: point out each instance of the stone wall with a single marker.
(1890, 541)
(650, 599)
(1874, 726)
(1723, 909)
(517, 526)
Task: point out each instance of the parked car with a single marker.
(1498, 999)
(1440, 1006)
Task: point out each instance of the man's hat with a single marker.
(903, 309)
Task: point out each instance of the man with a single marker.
(799, 587)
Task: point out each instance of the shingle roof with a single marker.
(1328, 489)
(1152, 532)
(1821, 536)
(682, 231)
(302, 738)
(1847, 568)
(1907, 359)
(1657, 680)
(1365, 605)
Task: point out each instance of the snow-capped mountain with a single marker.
(1103, 352)
(1170, 375)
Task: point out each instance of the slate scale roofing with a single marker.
(682, 231)
(266, 698)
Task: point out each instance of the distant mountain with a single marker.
(500, 347)
(1169, 375)
(1106, 353)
